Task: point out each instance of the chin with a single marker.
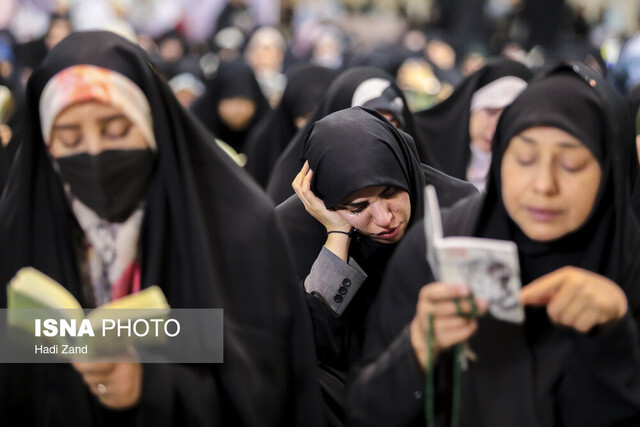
(543, 235)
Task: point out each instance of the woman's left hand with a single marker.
(116, 385)
(577, 298)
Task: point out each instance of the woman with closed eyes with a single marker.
(558, 189)
(116, 188)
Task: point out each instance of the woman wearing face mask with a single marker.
(559, 189)
(116, 189)
(356, 196)
(457, 133)
(232, 103)
(359, 86)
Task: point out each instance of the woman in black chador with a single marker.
(116, 188)
(232, 104)
(359, 86)
(269, 138)
(359, 192)
(558, 188)
(457, 132)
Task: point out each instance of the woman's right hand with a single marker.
(116, 385)
(438, 299)
(331, 220)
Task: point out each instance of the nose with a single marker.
(92, 142)
(493, 123)
(381, 214)
(545, 179)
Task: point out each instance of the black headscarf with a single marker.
(270, 137)
(349, 150)
(338, 97)
(607, 243)
(534, 373)
(633, 102)
(548, 359)
(202, 212)
(15, 123)
(233, 79)
(334, 147)
(444, 129)
(354, 149)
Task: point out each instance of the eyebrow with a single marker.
(108, 119)
(102, 121)
(363, 204)
(564, 144)
(66, 127)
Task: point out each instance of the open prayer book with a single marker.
(34, 298)
(489, 267)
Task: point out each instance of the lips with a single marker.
(543, 215)
(388, 234)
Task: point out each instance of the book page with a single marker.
(432, 228)
(489, 267)
(41, 290)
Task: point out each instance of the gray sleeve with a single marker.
(334, 280)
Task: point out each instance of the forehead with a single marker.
(86, 111)
(547, 137)
(365, 193)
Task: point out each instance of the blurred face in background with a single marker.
(482, 126)
(171, 49)
(58, 30)
(265, 52)
(236, 113)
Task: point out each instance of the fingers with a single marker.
(565, 304)
(93, 368)
(446, 338)
(454, 307)
(297, 181)
(116, 385)
(447, 324)
(437, 308)
(302, 187)
(577, 298)
(586, 320)
(95, 373)
(302, 183)
(443, 291)
(542, 290)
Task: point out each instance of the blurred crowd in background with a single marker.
(428, 45)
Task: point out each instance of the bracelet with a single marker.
(348, 233)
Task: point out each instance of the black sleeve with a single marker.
(331, 332)
(178, 395)
(602, 381)
(388, 384)
(449, 189)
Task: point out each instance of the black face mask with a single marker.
(111, 183)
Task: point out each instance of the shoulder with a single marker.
(449, 189)
(304, 233)
(460, 219)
